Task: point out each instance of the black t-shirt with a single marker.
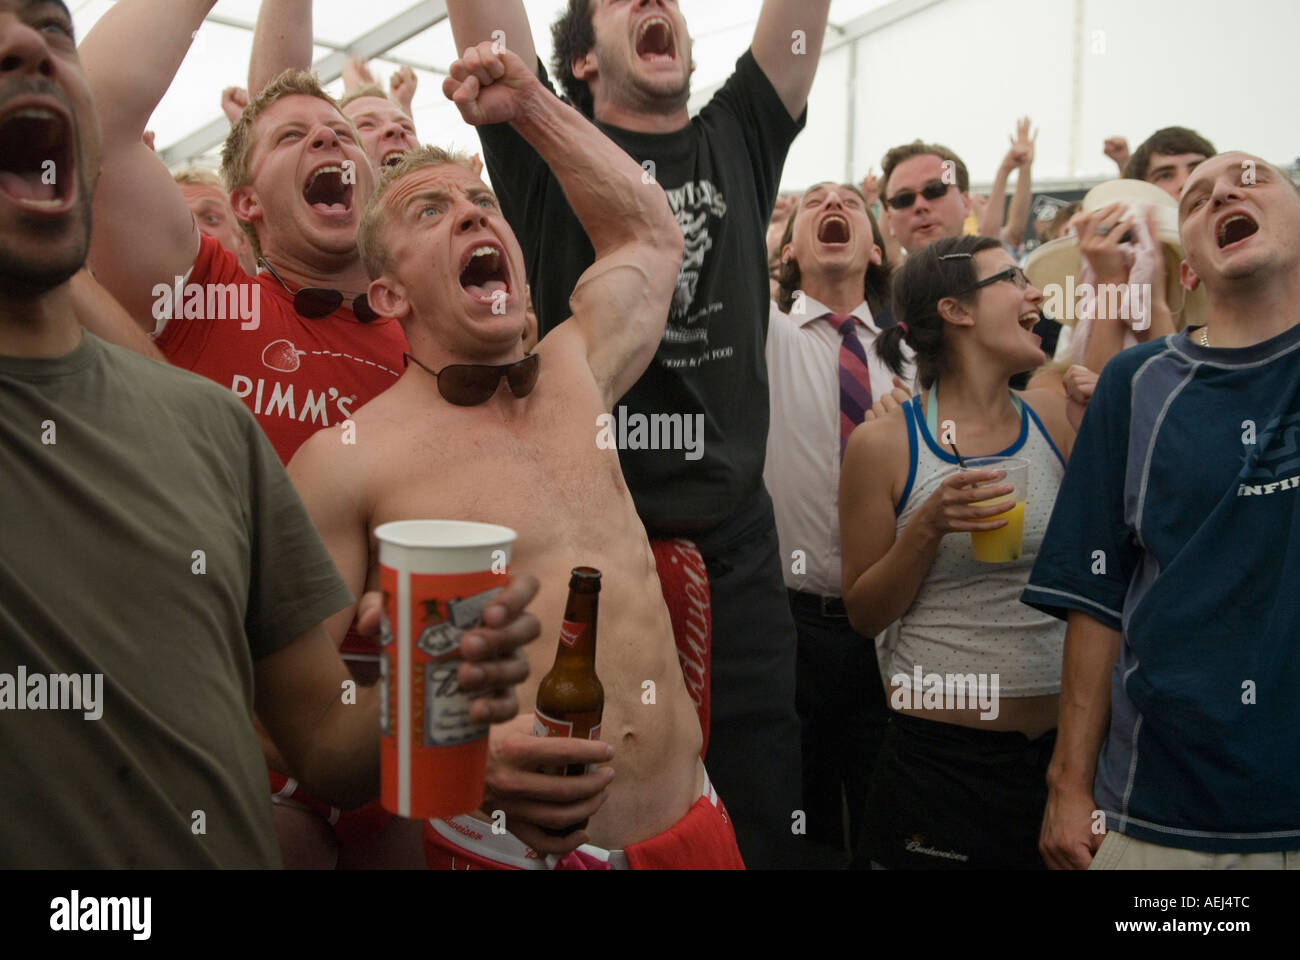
(721, 174)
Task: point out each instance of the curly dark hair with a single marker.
(573, 36)
(875, 282)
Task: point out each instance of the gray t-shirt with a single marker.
(148, 534)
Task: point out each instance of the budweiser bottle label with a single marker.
(544, 726)
(571, 632)
(548, 726)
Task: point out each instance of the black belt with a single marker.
(830, 607)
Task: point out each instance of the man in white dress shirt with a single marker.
(832, 302)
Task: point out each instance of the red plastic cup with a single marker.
(437, 577)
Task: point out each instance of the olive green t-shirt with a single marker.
(148, 536)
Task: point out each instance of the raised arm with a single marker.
(990, 221)
(144, 232)
(1022, 148)
(281, 41)
(787, 45)
(620, 304)
(476, 21)
(103, 316)
(1018, 212)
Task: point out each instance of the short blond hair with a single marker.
(370, 234)
(370, 91)
(193, 176)
(239, 143)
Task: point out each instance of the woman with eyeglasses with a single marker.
(973, 675)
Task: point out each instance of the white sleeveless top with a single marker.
(967, 617)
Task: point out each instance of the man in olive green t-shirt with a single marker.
(159, 577)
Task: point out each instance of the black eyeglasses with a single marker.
(316, 302)
(469, 384)
(1013, 274)
(931, 191)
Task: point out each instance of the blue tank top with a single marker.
(967, 617)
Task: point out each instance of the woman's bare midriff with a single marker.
(1032, 716)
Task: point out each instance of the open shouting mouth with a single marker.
(36, 156)
(328, 192)
(483, 272)
(1235, 228)
(392, 158)
(654, 41)
(834, 230)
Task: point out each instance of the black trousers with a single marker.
(753, 755)
(946, 797)
(843, 715)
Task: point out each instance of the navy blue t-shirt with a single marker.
(1177, 525)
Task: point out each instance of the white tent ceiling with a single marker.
(955, 71)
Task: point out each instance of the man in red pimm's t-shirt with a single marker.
(296, 374)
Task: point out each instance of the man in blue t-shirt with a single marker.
(1174, 550)
(628, 66)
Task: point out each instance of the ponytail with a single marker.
(926, 277)
(889, 348)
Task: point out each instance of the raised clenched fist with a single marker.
(1117, 149)
(233, 102)
(486, 86)
(356, 76)
(402, 84)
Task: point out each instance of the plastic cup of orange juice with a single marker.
(1005, 543)
(437, 577)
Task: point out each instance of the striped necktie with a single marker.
(855, 383)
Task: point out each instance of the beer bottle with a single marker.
(570, 699)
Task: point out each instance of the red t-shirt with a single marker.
(296, 375)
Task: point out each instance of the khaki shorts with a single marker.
(1119, 851)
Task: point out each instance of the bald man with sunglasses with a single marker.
(452, 438)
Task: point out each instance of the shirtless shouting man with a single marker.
(523, 453)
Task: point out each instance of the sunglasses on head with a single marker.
(469, 384)
(931, 191)
(316, 302)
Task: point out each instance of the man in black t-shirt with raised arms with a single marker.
(692, 432)
(159, 576)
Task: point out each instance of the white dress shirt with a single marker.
(803, 442)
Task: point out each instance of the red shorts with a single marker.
(701, 840)
(351, 827)
(684, 581)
